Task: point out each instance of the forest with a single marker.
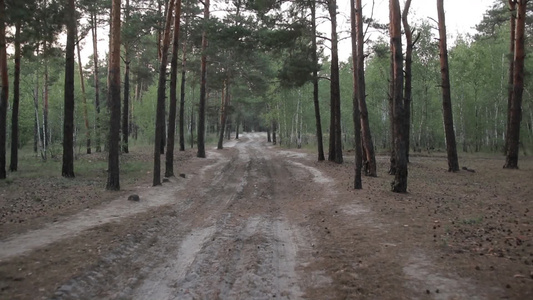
(193, 73)
(265, 149)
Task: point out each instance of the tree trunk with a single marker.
(451, 148)
(357, 184)
(335, 146)
(169, 162)
(4, 90)
(408, 74)
(223, 114)
(314, 51)
(46, 129)
(84, 99)
(13, 166)
(37, 136)
(159, 28)
(237, 124)
(94, 31)
(513, 131)
(367, 143)
(274, 128)
(68, 121)
(399, 185)
(512, 25)
(161, 93)
(182, 91)
(392, 167)
(125, 108)
(113, 175)
(192, 125)
(203, 87)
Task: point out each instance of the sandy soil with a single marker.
(254, 221)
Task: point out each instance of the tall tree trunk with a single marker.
(512, 25)
(113, 78)
(46, 129)
(192, 124)
(335, 146)
(237, 124)
(161, 93)
(159, 28)
(392, 166)
(316, 102)
(357, 184)
(182, 89)
(68, 121)
(13, 166)
(274, 128)
(451, 147)
(513, 131)
(94, 31)
(37, 127)
(399, 185)
(84, 99)
(367, 143)
(203, 87)
(169, 162)
(4, 90)
(223, 114)
(408, 73)
(125, 103)
(168, 11)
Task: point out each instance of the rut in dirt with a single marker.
(231, 238)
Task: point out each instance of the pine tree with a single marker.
(68, 122)
(113, 78)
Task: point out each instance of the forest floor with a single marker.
(255, 221)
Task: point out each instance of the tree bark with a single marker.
(408, 74)
(125, 108)
(94, 31)
(84, 100)
(399, 185)
(274, 128)
(159, 28)
(367, 143)
(237, 125)
(46, 129)
(161, 93)
(37, 127)
(513, 131)
(355, 97)
(203, 87)
(451, 147)
(4, 90)
(113, 78)
(169, 162)
(316, 102)
(512, 25)
(335, 146)
(182, 90)
(68, 121)
(392, 166)
(223, 114)
(13, 165)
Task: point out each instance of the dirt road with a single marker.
(250, 222)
